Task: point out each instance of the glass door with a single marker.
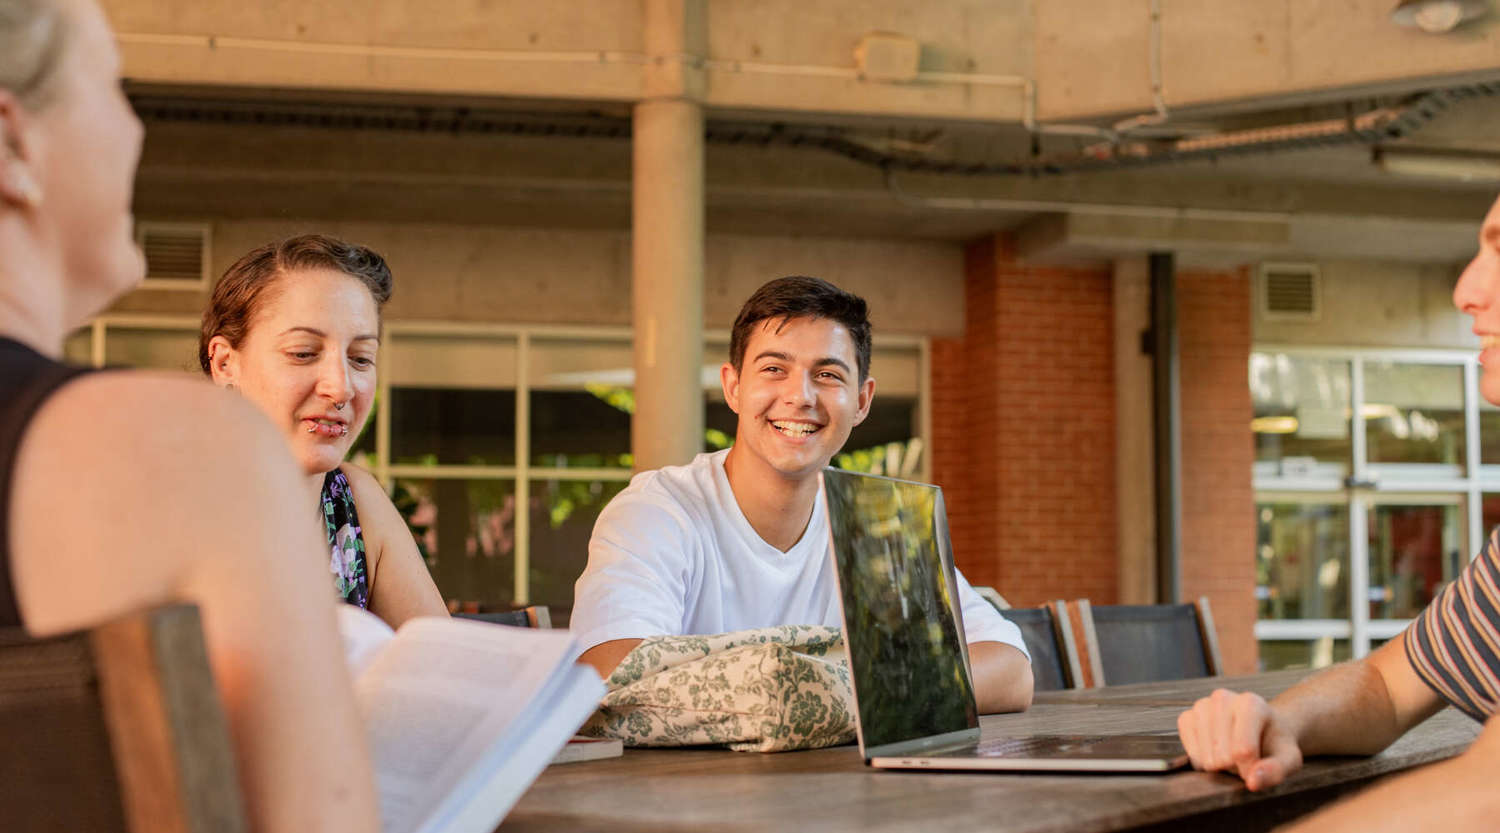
(1361, 521)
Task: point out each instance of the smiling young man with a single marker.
(738, 539)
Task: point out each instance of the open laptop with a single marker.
(913, 689)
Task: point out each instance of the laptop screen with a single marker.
(906, 647)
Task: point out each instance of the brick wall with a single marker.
(1023, 429)
(1218, 450)
(965, 406)
(1024, 444)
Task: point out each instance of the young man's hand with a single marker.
(1240, 733)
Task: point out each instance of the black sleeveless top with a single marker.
(27, 378)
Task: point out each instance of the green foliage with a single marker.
(621, 399)
(892, 590)
(717, 439)
(895, 459)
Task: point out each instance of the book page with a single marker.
(440, 694)
(506, 770)
(364, 634)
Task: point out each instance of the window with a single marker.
(1414, 551)
(1303, 653)
(1301, 423)
(581, 402)
(1489, 433)
(1489, 512)
(1414, 418)
(156, 348)
(1362, 521)
(509, 442)
(1302, 560)
(466, 530)
(448, 426)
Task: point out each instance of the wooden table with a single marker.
(1182, 693)
(831, 789)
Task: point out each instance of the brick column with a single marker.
(1218, 451)
(1023, 427)
(1024, 437)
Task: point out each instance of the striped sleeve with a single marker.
(1454, 645)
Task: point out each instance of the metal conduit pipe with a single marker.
(1370, 128)
(1166, 419)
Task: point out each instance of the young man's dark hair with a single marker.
(799, 296)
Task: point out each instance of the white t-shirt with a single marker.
(674, 554)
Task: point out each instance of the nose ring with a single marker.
(339, 406)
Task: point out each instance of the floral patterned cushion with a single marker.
(762, 690)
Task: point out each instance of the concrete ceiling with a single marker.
(512, 112)
(332, 157)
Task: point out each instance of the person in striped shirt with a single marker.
(1450, 655)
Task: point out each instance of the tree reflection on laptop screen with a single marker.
(905, 652)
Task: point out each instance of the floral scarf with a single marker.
(347, 561)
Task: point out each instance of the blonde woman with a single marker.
(113, 494)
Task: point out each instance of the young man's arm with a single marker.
(1356, 708)
(1455, 796)
(1002, 677)
(1003, 680)
(606, 656)
(634, 583)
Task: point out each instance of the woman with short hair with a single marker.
(294, 327)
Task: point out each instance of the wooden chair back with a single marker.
(117, 730)
(1054, 653)
(1149, 643)
(536, 616)
(992, 596)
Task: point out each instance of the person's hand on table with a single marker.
(1239, 733)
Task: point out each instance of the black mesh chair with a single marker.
(1149, 643)
(535, 616)
(1054, 654)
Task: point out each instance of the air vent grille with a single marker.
(176, 255)
(1289, 292)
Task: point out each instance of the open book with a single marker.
(461, 715)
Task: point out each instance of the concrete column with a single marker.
(667, 239)
(1135, 489)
